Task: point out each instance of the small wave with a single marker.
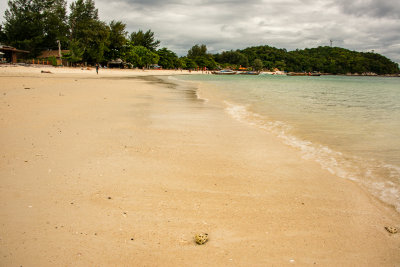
(373, 175)
(172, 78)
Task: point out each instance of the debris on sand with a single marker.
(391, 229)
(201, 238)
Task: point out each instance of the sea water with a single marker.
(349, 125)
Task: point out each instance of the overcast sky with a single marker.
(361, 25)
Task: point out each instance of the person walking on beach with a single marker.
(97, 68)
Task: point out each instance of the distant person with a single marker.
(97, 68)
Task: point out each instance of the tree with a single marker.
(116, 41)
(55, 24)
(233, 57)
(197, 51)
(145, 39)
(168, 59)
(141, 57)
(35, 25)
(257, 64)
(2, 34)
(188, 63)
(88, 35)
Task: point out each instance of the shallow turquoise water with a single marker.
(350, 125)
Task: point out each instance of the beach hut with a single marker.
(11, 53)
(54, 54)
(116, 63)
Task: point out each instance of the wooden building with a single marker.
(56, 54)
(11, 53)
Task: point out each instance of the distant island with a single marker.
(48, 33)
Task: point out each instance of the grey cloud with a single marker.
(382, 8)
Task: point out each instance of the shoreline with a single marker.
(126, 172)
(343, 165)
(176, 72)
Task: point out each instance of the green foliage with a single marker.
(140, 56)
(145, 39)
(258, 64)
(235, 58)
(35, 25)
(116, 41)
(75, 52)
(188, 63)
(88, 35)
(53, 60)
(197, 51)
(168, 59)
(324, 59)
(2, 35)
(338, 60)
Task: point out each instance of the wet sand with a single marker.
(110, 170)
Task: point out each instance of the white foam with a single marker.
(366, 173)
(172, 78)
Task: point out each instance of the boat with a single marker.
(315, 73)
(249, 72)
(297, 74)
(224, 72)
(304, 74)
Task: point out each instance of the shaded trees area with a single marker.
(88, 35)
(168, 59)
(38, 25)
(197, 57)
(117, 42)
(35, 25)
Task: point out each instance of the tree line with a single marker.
(38, 25)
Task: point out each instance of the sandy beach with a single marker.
(125, 167)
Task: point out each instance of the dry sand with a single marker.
(102, 170)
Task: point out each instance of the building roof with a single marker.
(51, 53)
(12, 49)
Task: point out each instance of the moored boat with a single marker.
(297, 74)
(249, 72)
(224, 72)
(304, 74)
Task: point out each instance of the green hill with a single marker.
(324, 59)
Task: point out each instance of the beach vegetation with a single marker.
(117, 41)
(202, 59)
(334, 60)
(168, 59)
(197, 51)
(88, 35)
(188, 63)
(75, 53)
(2, 34)
(145, 39)
(35, 25)
(258, 64)
(140, 56)
(233, 58)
